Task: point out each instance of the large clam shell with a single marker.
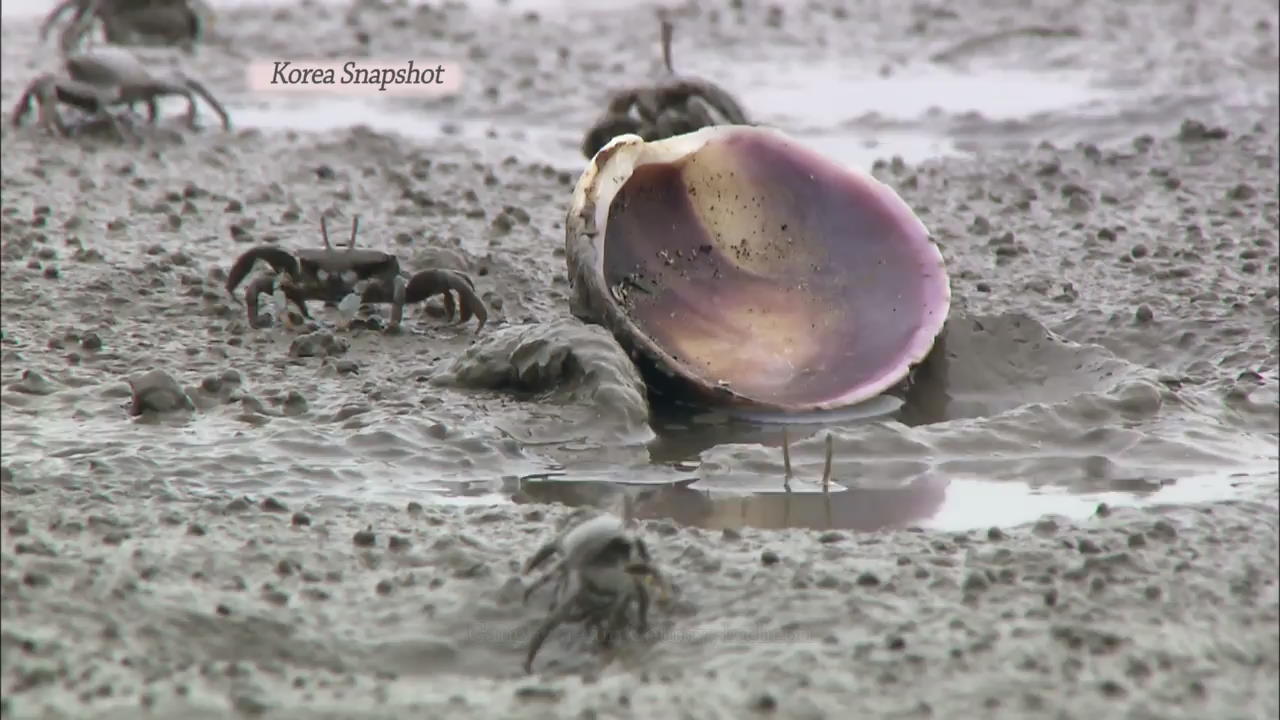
(757, 271)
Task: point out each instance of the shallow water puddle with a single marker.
(973, 501)
(909, 112)
(834, 94)
(933, 502)
(906, 114)
(220, 452)
(496, 136)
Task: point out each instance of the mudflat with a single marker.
(334, 527)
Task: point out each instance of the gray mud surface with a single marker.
(330, 522)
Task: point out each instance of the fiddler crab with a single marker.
(349, 278)
(100, 80)
(601, 570)
(152, 23)
(673, 105)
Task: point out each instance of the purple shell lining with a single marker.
(854, 294)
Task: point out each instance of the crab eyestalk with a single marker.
(786, 460)
(324, 232)
(826, 468)
(355, 228)
(668, 29)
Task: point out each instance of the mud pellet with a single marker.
(1088, 546)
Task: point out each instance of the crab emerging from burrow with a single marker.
(351, 277)
(673, 105)
(146, 23)
(601, 571)
(99, 81)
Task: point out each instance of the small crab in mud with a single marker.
(599, 574)
(100, 80)
(351, 276)
(154, 23)
(671, 106)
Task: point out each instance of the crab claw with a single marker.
(278, 259)
(610, 125)
(439, 282)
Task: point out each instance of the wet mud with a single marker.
(1071, 511)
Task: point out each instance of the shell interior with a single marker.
(759, 266)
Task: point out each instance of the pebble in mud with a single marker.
(273, 505)
(157, 392)
(33, 383)
(320, 343)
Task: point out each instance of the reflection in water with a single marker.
(683, 432)
(719, 505)
(752, 501)
(862, 509)
(980, 367)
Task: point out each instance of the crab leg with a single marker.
(614, 621)
(81, 25)
(558, 616)
(699, 111)
(119, 126)
(721, 101)
(59, 10)
(646, 567)
(642, 607)
(397, 300)
(189, 86)
(43, 91)
(265, 286)
(543, 580)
